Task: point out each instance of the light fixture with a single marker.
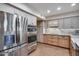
(58, 8)
(73, 4)
(48, 11)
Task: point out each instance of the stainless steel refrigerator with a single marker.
(21, 34)
(7, 30)
(1, 30)
(13, 34)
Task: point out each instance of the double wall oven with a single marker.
(32, 34)
(32, 38)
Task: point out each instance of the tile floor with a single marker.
(48, 50)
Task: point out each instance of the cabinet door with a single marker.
(67, 23)
(60, 23)
(45, 39)
(53, 40)
(32, 20)
(64, 42)
(53, 23)
(76, 22)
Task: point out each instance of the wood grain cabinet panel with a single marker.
(53, 40)
(72, 50)
(45, 39)
(62, 41)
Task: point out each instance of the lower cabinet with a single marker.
(58, 40)
(63, 41)
(73, 52)
(53, 40)
(45, 39)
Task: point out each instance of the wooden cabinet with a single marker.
(72, 50)
(50, 39)
(63, 41)
(53, 23)
(45, 39)
(32, 20)
(58, 40)
(53, 40)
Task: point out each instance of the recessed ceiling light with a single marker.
(58, 8)
(48, 11)
(73, 4)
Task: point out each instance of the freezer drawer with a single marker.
(24, 51)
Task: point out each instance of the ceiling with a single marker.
(43, 7)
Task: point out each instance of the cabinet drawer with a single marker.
(64, 43)
(53, 41)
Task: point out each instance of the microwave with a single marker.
(31, 28)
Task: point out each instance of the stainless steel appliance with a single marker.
(21, 34)
(13, 34)
(7, 31)
(1, 30)
(23, 31)
(32, 38)
(18, 30)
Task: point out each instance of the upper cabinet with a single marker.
(60, 23)
(69, 23)
(53, 23)
(32, 20)
(75, 22)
